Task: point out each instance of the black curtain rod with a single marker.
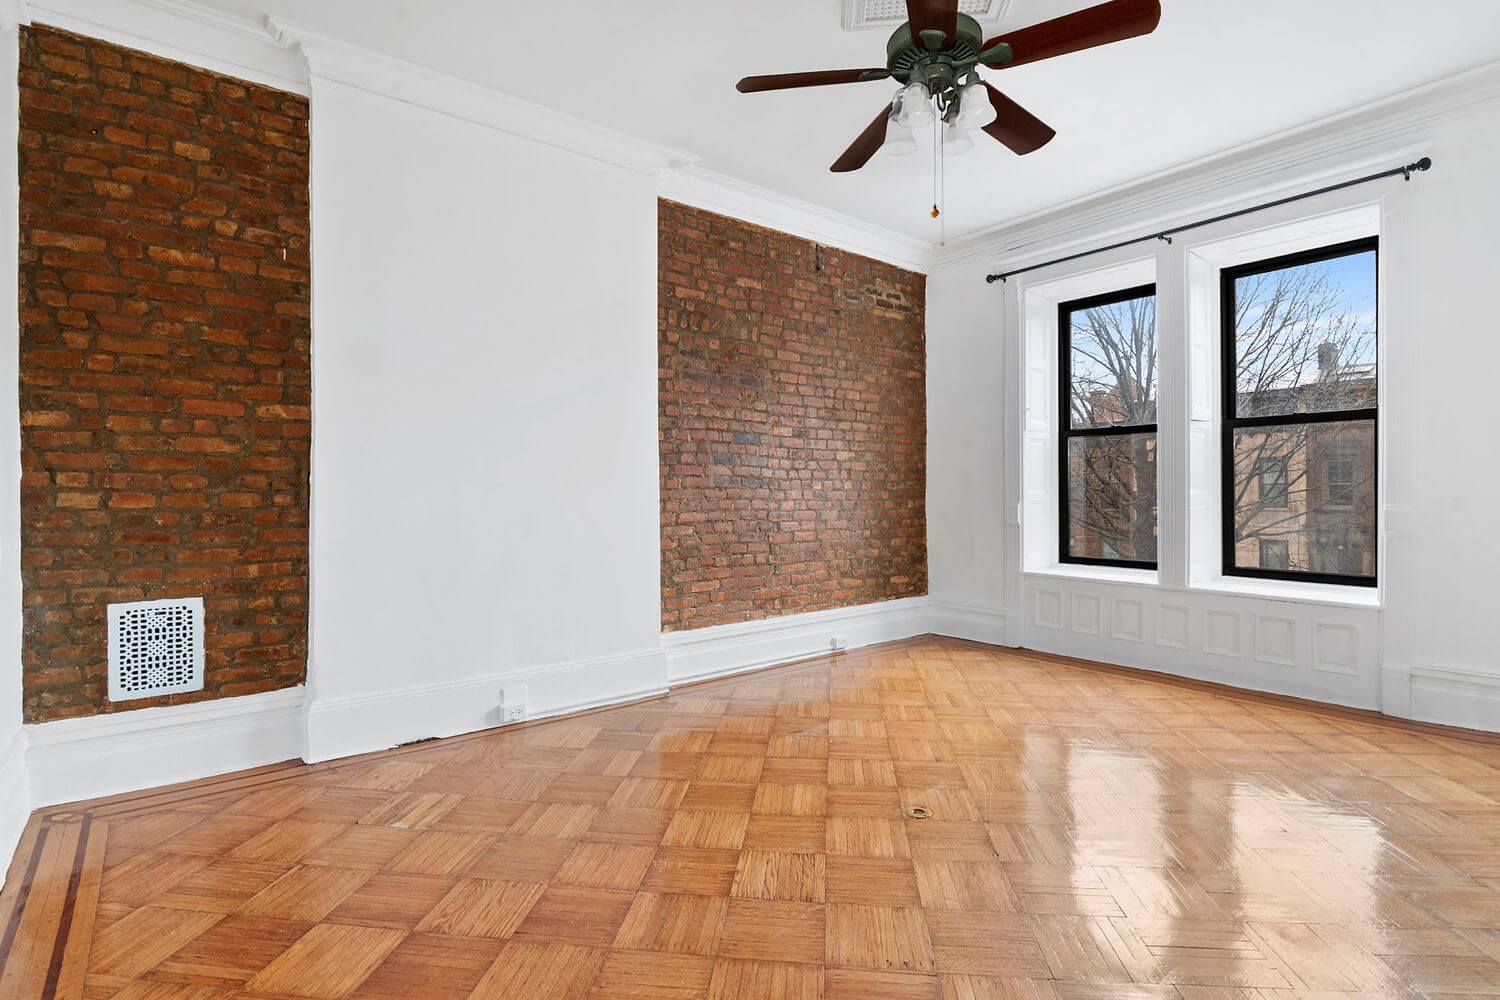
(1425, 163)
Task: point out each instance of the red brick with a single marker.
(792, 424)
(141, 476)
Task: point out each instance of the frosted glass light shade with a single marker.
(956, 141)
(898, 139)
(914, 106)
(974, 107)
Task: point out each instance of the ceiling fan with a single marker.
(935, 55)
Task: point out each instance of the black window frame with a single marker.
(1231, 422)
(1066, 431)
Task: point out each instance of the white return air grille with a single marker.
(155, 647)
(890, 14)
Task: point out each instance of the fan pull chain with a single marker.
(942, 190)
(937, 139)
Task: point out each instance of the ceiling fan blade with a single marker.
(860, 151)
(933, 15)
(818, 78)
(1108, 22)
(1016, 127)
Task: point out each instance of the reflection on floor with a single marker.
(1083, 834)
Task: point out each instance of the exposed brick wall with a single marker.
(164, 364)
(793, 424)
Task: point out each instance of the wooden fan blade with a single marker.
(932, 15)
(1016, 127)
(1109, 22)
(860, 151)
(819, 78)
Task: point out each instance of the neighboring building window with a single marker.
(1300, 416)
(1340, 477)
(1275, 553)
(1107, 429)
(1272, 471)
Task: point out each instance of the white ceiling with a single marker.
(1216, 74)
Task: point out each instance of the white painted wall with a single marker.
(966, 516)
(14, 798)
(484, 472)
(1428, 652)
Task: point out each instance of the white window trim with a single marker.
(1186, 274)
(1101, 574)
(1203, 260)
(1039, 430)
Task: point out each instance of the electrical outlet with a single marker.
(513, 703)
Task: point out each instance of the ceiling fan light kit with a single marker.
(974, 107)
(936, 56)
(913, 106)
(898, 139)
(956, 139)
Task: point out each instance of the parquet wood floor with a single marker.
(1088, 835)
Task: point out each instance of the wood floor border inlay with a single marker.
(930, 818)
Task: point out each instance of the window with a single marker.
(1272, 471)
(1275, 553)
(1300, 414)
(1107, 429)
(1339, 478)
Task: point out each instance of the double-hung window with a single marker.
(1107, 429)
(1300, 416)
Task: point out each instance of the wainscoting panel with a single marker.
(1321, 651)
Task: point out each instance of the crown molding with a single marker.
(1321, 151)
(715, 192)
(337, 61)
(177, 30)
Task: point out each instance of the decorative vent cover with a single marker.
(891, 14)
(155, 648)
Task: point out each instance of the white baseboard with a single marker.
(1455, 697)
(719, 650)
(343, 727)
(968, 621)
(15, 797)
(54, 762)
(125, 751)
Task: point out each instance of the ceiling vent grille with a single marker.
(891, 14)
(155, 648)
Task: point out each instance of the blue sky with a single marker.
(1356, 275)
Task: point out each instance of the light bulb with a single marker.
(956, 141)
(915, 106)
(974, 107)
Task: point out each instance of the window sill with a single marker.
(1329, 594)
(1099, 574)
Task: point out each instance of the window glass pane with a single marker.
(1305, 338)
(1112, 357)
(1112, 497)
(1325, 515)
